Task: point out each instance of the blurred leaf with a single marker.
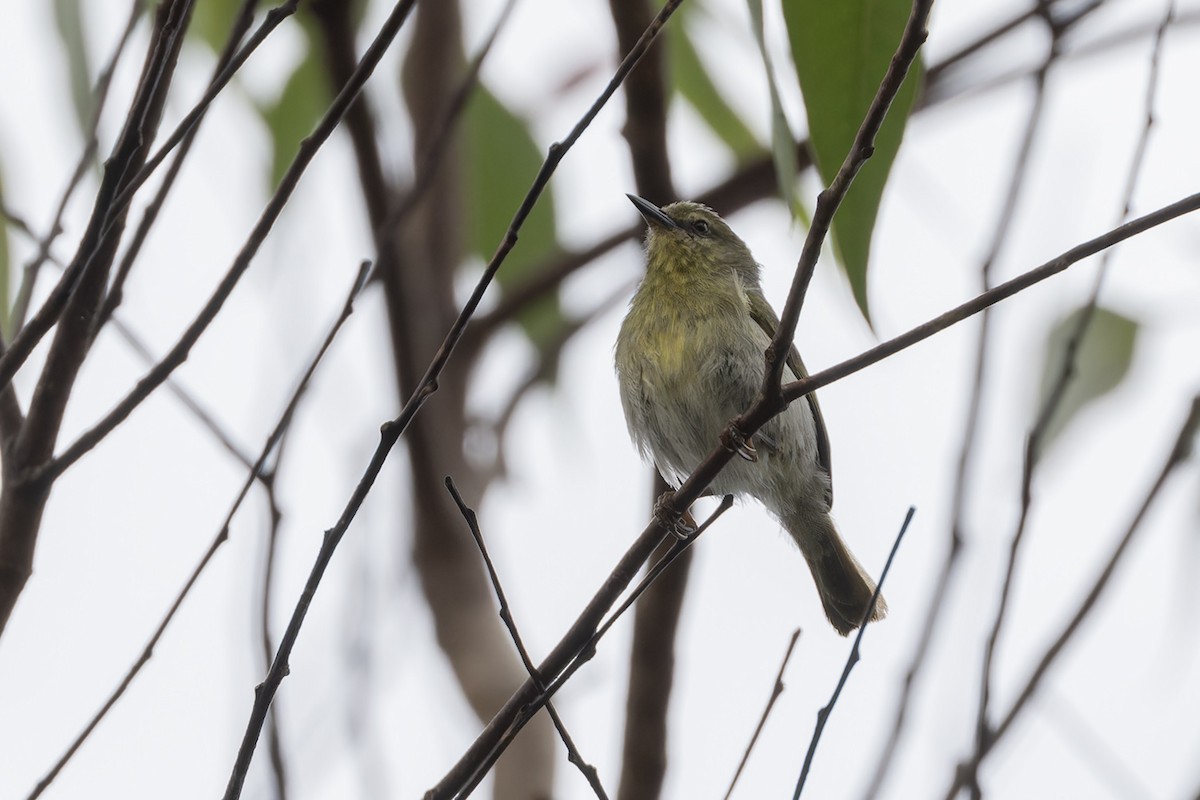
(693, 82)
(212, 21)
(68, 20)
(304, 98)
(1101, 363)
(783, 143)
(501, 159)
(842, 50)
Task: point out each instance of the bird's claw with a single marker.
(734, 440)
(679, 525)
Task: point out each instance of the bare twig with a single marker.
(91, 145)
(827, 709)
(222, 535)
(287, 185)
(1181, 451)
(797, 389)
(983, 733)
(587, 648)
(776, 690)
(274, 726)
(830, 199)
(116, 199)
(589, 772)
(390, 432)
(241, 24)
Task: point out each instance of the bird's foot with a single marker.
(737, 442)
(679, 525)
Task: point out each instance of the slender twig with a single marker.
(275, 522)
(1002, 234)
(241, 24)
(776, 691)
(797, 389)
(587, 649)
(828, 202)
(1181, 451)
(86, 158)
(589, 772)
(287, 185)
(827, 709)
(1033, 442)
(222, 535)
(390, 432)
(114, 206)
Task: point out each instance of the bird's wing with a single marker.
(762, 313)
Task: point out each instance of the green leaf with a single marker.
(1101, 362)
(842, 50)
(68, 20)
(212, 21)
(304, 98)
(501, 159)
(693, 82)
(783, 143)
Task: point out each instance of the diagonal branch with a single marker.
(589, 771)
(256, 470)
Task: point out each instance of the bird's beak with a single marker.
(652, 213)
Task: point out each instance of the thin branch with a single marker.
(222, 534)
(827, 709)
(983, 733)
(589, 772)
(1181, 451)
(91, 145)
(287, 185)
(390, 432)
(797, 389)
(275, 521)
(776, 691)
(828, 202)
(1002, 234)
(115, 203)
(587, 649)
(241, 24)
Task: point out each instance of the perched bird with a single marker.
(689, 358)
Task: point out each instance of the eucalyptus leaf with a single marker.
(783, 143)
(501, 158)
(295, 113)
(1102, 361)
(842, 50)
(691, 79)
(69, 22)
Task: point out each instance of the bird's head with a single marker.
(691, 239)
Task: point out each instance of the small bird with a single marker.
(689, 358)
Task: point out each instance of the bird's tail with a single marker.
(844, 586)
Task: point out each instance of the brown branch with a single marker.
(22, 501)
(830, 199)
(587, 648)
(797, 389)
(86, 158)
(241, 24)
(573, 754)
(776, 691)
(222, 535)
(287, 185)
(115, 200)
(1181, 451)
(851, 660)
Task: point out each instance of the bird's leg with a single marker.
(735, 441)
(679, 525)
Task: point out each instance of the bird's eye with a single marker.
(700, 226)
